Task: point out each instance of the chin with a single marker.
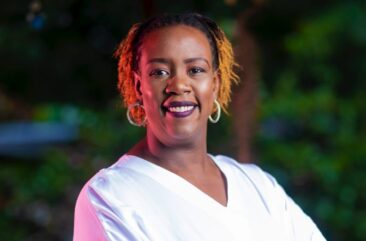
(178, 131)
(181, 133)
(177, 135)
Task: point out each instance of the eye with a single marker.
(196, 70)
(158, 73)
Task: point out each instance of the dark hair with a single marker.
(204, 24)
(128, 53)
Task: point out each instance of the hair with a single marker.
(129, 53)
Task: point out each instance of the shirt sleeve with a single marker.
(94, 220)
(298, 224)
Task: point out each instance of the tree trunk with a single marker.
(245, 95)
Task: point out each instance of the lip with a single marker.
(179, 109)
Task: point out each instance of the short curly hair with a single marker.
(128, 54)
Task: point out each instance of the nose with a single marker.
(178, 84)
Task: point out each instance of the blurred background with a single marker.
(299, 111)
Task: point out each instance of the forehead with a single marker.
(176, 40)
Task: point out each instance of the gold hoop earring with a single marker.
(129, 118)
(217, 118)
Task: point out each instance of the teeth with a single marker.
(180, 108)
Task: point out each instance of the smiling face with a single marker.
(176, 83)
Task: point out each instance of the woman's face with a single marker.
(176, 83)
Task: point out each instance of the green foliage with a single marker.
(37, 191)
(312, 114)
(313, 133)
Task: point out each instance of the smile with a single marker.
(180, 109)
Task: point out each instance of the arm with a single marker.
(298, 224)
(95, 221)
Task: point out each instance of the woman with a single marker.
(174, 72)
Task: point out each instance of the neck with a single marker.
(179, 157)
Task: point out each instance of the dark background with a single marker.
(299, 111)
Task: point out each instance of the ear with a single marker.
(217, 83)
(137, 80)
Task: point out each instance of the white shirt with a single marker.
(137, 200)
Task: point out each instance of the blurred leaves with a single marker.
(41, 192)
(312, 116)
(312, 134)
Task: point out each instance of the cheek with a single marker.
(206, 94)
(207, 89)
(148, 88)
(153, 93)
(152, 96)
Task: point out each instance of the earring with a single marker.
(132, 122)
(217, 118)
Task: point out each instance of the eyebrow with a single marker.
(190, 60)
(158, 60)
(186, 61)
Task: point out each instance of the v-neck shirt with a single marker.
(137, 200)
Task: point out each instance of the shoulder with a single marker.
(98, 186)
(263, 185)
(106, 190)
(272, 195)
(250, 171)
(102, 209)
(122, 175)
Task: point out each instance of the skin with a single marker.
(176, 65)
